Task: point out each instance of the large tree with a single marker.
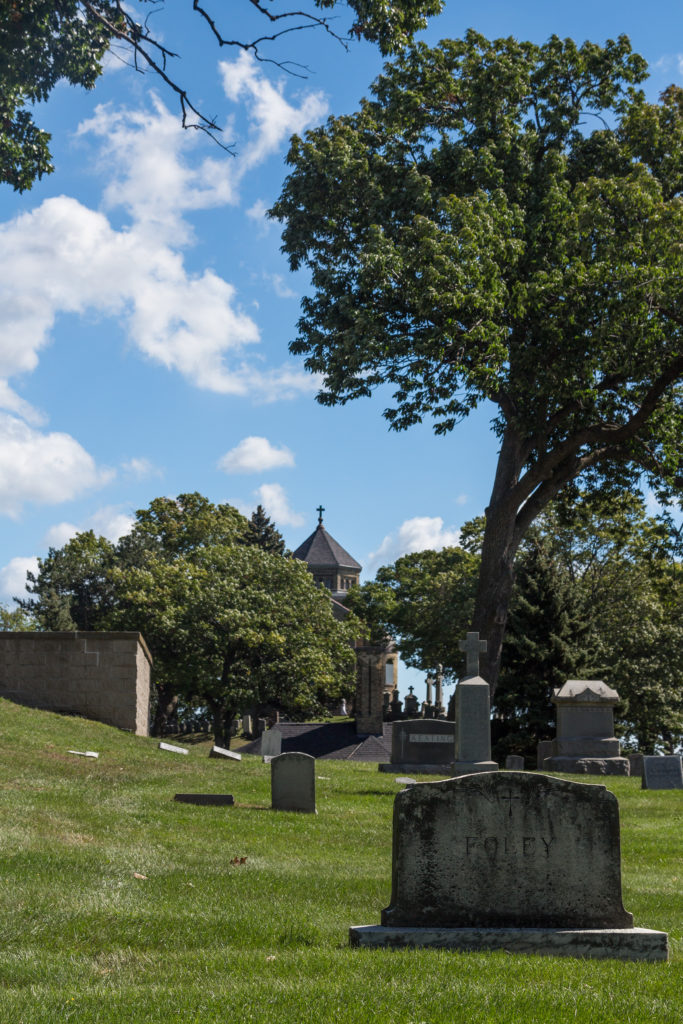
(234, 626)
(503, 223)
(43, 42)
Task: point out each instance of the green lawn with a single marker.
(198, 940)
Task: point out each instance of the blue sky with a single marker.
(148, 308)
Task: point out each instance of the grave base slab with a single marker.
(472, 767)
(445, 770)
(593, 944)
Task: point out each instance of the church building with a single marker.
(376, 664)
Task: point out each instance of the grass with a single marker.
(199, 940)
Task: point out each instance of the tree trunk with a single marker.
(218, 716)
(167, 703)
(496, 575)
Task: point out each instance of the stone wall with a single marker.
(105, 676)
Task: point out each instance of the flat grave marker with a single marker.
(206, 799)
(173, 749)
(228, 755)
(84, 753)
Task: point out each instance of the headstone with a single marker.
(520, 862)
(206, 799)
(543, 750)
(514, 763)
(635, 765)
(228, 755)
(411, 704)
(421, 745)
(172, 749)
(585, 741)
(84, 753)
(662, 772)
(342, 708)
(271, 742)
(292, 779)
(396, 706)
(261, 726)
(473, 727)
(247, 725)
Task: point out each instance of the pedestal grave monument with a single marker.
(585, 742)
(473, 714)
(514, 861)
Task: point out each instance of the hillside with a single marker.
(86, 939)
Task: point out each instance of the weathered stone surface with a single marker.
(173, 749)
(84, 753)
(227, 755)
(588, 765)
(514, 850)
(602, 943)
(636, 764)
(206, 799)
(292, 778)
(585, 729)
(662, 773)
(271, 742)
(514, 763)
(423, 741)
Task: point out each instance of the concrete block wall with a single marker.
(105, 676)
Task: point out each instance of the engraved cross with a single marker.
(510, 798)
(472, 647)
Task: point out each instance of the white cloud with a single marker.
(462, 499)
(43, 468)
(12, 402)
(272, 118)
(13, 577)
(141, 469)
(60, 534)
(109, 521)
(422, 533)
(254, 455)
(282, 290)
(258, 213)
(64, 258)
(276, 504)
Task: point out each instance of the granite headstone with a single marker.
(292, 779)
(662, 772)
(511, 861)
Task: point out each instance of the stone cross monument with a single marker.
(473, 714)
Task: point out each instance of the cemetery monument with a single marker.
(515, 861)
(585, 741)
(473, 714)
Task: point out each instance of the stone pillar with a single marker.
(473, 727)
(370, 671)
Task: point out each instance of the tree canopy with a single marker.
(230, 623)
(43, 42)
(502, 223)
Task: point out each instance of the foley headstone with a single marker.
(292, 780)
(473, 715)
(662, 772)
(520, 862)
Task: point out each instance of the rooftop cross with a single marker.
(320, 511)
(472, 647)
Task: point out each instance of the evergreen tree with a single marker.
(545, 644)
(264, 534)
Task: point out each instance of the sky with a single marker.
(147, 307)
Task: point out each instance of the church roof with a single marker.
(322, 550)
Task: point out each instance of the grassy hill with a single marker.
(84, 939)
